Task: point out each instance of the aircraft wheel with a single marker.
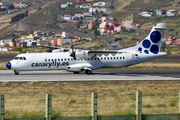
(89, 72)
(16, 72)
(76, 72)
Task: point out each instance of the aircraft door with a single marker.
(129, 58)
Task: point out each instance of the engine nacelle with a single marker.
(83, 54)
(74, 68)
(78, 67)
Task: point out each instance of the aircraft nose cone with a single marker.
(8, 65)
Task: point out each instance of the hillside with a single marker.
(48, 17)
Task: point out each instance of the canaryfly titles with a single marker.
(50, 64)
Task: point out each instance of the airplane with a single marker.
(78, 60)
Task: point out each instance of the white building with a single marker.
(92, 10)
(64, 41)
(65, 35)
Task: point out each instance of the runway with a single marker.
(98, 75)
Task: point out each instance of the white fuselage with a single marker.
(59, 61)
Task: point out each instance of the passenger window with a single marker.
(104, 58)
(117, 58)
(94, 58)
(61, 59)
(101, 58)
(120, 57)
(88, 58)
(49, 60)
(123, 57)
(114, 58)
(64, 59)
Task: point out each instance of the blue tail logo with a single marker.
(152, 43)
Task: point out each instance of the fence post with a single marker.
(138, 105)
(94, 106)
(179, 106)
(48, 107)
(1, 107)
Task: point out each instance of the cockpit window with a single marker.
(16, 58)
(19, 58)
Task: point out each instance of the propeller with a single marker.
(49, 49)
(73, 52)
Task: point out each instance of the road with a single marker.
(98, 75)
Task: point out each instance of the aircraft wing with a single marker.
(55, 49)
(105, 52)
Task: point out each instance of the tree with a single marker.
(96, 33)
(11, 7)
(19, 16)
(26, 13)
(79, 23)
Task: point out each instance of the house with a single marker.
(3, 48)
(83, 26)
(65, 35)
(169, 40)
(54, 42)
(68, 17)
(160, 12)
(79, 15)
(83, 5)
(2, 42)
(170, 13)
(15, 4)
(128, 23)
(91, 25)
(103, 16)
(101, 9)
(145, 14)
(92, 10)
(176, 42)
(80, 0)
(65, 41)
(64, 6)
(37, 33)
(10, 12)
(23, 5)
(87, 14)
(100, 4)
(20, 5)
(89, 0)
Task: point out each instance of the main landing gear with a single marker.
(16, 72)
(89, 72)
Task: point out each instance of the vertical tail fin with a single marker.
(152, 43)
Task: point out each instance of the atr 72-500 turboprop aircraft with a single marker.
(77, 60)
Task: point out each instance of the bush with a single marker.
(18, 49)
